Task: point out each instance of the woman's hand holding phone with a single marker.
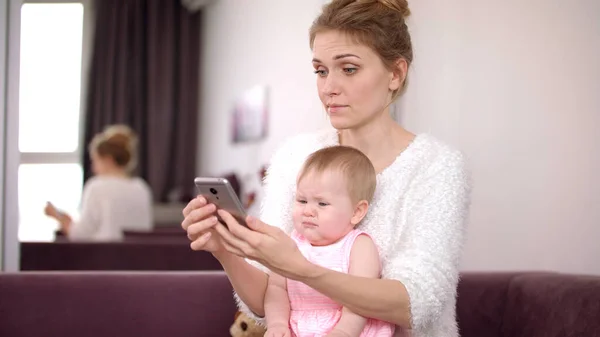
(199, 222)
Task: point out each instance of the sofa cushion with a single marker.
(94, 304)
(553, 305)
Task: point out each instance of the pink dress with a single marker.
(313, 314)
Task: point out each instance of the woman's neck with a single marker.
(381, 139)
(116, 172)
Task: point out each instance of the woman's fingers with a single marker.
(233, 250)
(239, 231)
(234, 226)
(258, 226)
(227, 236)
(197, 202)
(198, 215)
(199, 243)
(229, 239)
(201, 226)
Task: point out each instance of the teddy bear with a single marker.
(244, 326)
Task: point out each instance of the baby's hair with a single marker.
(355, 166)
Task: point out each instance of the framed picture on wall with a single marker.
(250, 115)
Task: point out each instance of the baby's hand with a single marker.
(279, 330)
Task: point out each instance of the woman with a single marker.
(361, 54)
(112, 200)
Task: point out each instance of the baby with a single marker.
(334, 189)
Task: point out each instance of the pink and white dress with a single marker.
(313, 314)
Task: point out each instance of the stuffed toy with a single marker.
(244, 326)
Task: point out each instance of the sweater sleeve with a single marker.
(429, 250)
(90, 218)
(275, 207)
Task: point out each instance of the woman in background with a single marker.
(113, 200)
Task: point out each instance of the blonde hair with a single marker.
(118, 142)
(355, 166)
(378, 24)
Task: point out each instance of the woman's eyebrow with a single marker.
(336, 57)
(341, 56)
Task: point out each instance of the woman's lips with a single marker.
(335, 108)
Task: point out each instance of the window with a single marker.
(50, 83)
(39, 183)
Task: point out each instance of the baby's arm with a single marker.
(277, 303)
(364, 261)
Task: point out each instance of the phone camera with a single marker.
(213, 191)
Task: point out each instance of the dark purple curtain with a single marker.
(144, 73)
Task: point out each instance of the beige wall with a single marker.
(533, 138)
(516, 84)
(248, 43)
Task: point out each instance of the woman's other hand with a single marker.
(199, 222)
(268, 245)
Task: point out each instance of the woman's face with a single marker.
(353, 83)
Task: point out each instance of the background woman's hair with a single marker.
(378, 24)
(118, 142)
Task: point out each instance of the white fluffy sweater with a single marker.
(417, 218)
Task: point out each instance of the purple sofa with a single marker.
(528, 305)
(200, 304)
(95, 304)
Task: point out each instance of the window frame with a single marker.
(74, 157)
(44, 158)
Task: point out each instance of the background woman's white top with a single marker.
(110, 205)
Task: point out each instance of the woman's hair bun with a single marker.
(118, 142)
(121, 135)
(398, 5)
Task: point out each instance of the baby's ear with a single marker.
(360, 210)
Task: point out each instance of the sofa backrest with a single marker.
(481, 303)
(552, 305)
(174, 304)
(147, 254)
(528, 305)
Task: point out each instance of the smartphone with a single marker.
(218, 191)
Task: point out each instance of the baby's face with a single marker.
(323, 209)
